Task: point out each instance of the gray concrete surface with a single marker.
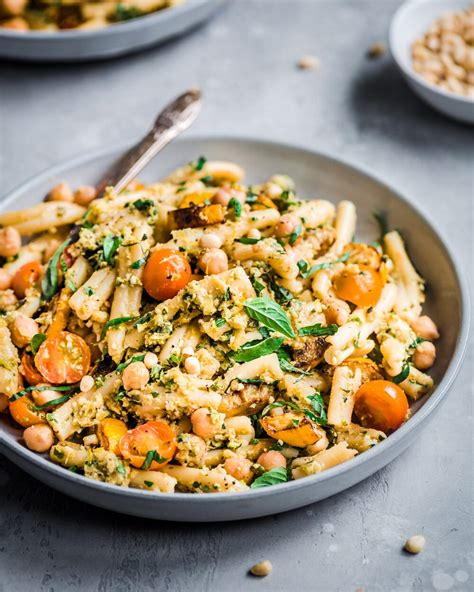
(245, 62)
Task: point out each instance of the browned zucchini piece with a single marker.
(196, 216)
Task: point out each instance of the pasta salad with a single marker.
(202, 335)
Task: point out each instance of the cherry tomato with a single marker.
(26, 277)
(155, 436)
(22, 412)
(166, 273)
(362, 286)
(63, 358)
(381, 405)
(29, 371)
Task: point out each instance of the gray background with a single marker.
(244, 60)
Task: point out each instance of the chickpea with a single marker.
(3, 402)
(226, 193)
(424, 327)
(61, 192)
(5, 279)
(87, 383)
(16, 24)
(192, 365)
(150, 360)
(415, 544)
(84, 195)
(337, 311)
(213, 261)
(210, 241)
(261, 569)
(135, 376)
(202, 423)
(425, 355)
(23, 329)
(10, 242)
(271, 460)
(238, 467)
(254, 233)
(273, 190)
(286, 225)
(39, 437)
(45, 396)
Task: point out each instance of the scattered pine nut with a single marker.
(261, 569)
(308, 62)
(377, 50)
(415, 544)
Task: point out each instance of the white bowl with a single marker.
(410, 22)
(315, 175)
(106, 42)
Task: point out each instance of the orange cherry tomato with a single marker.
(152, 436)
(23, 413)
(363, 254)
(29, 371)
(362, 286)
(381, 405)
(63, 358)
(166, 273)
(26, 277)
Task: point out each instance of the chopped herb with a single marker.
(227, 294)
(236, 206)
(255, 381)
(317, 402)
(207, 180)
(143, 319)
(126, 13)
(50, 281)
(278, 445)
(28, 389)
(257, 349)
(247, 241)
(114, 322)
(152, 455)
(295, 234)
(282, 295)
(138, 263)
(175, 359)
(36, 341)
(58, 454)
(295, 422)
(52, 403)
(155, 372)
(257, 286)
(70, 285)
(270, 314)
(121, 469)
(416, 342)
(89, 291)
(109, 247)
(149, 483)
(306, 271)
(220, 322)
(199, 164)
(144, 205)
(123, 365)
(317, 329)
(273, 477)
(50, 417)
(403, 374)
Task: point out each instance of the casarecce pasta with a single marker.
(203, 335)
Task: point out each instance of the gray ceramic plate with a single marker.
(315, 175)
(108, 42)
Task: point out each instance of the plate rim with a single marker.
(418, 420)
(158, 17)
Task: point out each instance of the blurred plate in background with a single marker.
(112, 41)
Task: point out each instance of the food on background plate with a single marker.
(203, 335)
(54, 15)
(444, 55)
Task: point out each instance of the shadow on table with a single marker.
(382, 102)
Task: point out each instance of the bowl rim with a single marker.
(158, 18)
(415, 422)
(395, 24)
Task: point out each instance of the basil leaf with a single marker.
(152, 455)
(270, 314)
(236, 206)
(114, 323)
(50, 281)
(273, 477)
(207, 180)
(305, 272)
(143, 205)
(109, 247)
(295, 234)
(257, 286)
(282, 295)
(143, 319)
(251, 351)
(57, 401)
(317, 329)
(123, 365)
(317, 402)
(138, 263)
(36, 341)
(247, 241)
(403, 374)
(40, 388)
(285, 363)
(251, 196)
(199, 164)
(320, 418)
